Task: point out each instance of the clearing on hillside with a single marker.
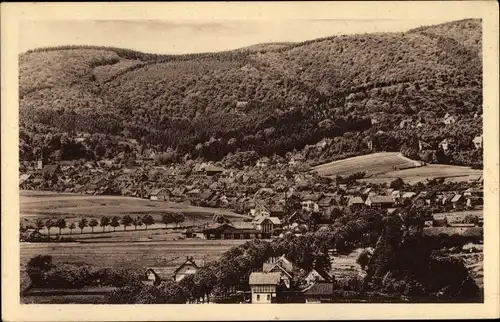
(372, 164)
(428, 172)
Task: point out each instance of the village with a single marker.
(279, 199)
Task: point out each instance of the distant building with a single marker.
(156, 275)
(478, 142)
(189, 267)
(262, 163)
(267, 224)
(317, 276)
(445, 145)
(318, 293)
(380, 201)
(449, 119)
(264, 287)
(158, 194)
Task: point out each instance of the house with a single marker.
(422, 145)
(321, 292)
(408, 195)
(296, 159)
(355, 202)
(212, 170)
(449, 119)
(281, 266)
(262, 163)
(317, 276)
(457, 200)
(264, 287)
(478, 142)
(241, 104)
(189, 267)
(231, 231)
(66, 164)
(260, 210)
(473, 201)
(445, 145)
(158, 194)
(277, 211)
(405, 123)
(380, 201)
(267, 224)
(155, 275)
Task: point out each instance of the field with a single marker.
(133, 255)
(450, 173)
(372, 164)
(72, 207)
(458, 215)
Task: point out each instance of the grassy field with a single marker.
(134, 255)
(458, 215)
(36, 204)
(427, 172)
(372, 164)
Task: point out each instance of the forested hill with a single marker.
(269, 98)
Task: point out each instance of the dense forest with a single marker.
(391, 89)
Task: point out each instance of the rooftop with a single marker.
(259, 278)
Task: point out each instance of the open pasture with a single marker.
(72, 207)
(128, 254)
(372, 164)
(428, 172)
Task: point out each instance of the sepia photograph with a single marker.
(224, 160)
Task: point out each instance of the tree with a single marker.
(60, 223)
(82, 224)
(36, 268)
(397, 183)
(93, 223)
(148, 220)
(363, 259)
(179, 218)
(115, 222)
(39, 224)
(49, 223)
(71, 227)
(126, 221)
(137, 222)
(167, 219)
(105, 221)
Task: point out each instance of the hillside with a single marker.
(346, 88)
(371, 164)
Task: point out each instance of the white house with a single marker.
(478, 142)
(158, 194)
(189, 267)
(264, 287)
(267, 224)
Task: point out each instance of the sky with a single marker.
(195, 36)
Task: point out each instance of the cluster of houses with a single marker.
(273, 283)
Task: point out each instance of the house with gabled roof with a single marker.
(156, 275)
(189, 267)
(267, 224)
(264, 287)
(355, 201)
(317, 275)
(380, 201)
(159, 194)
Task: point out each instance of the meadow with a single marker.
(450, 173)
(371, 164)
(72, 207)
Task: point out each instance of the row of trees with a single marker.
(82, 223)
